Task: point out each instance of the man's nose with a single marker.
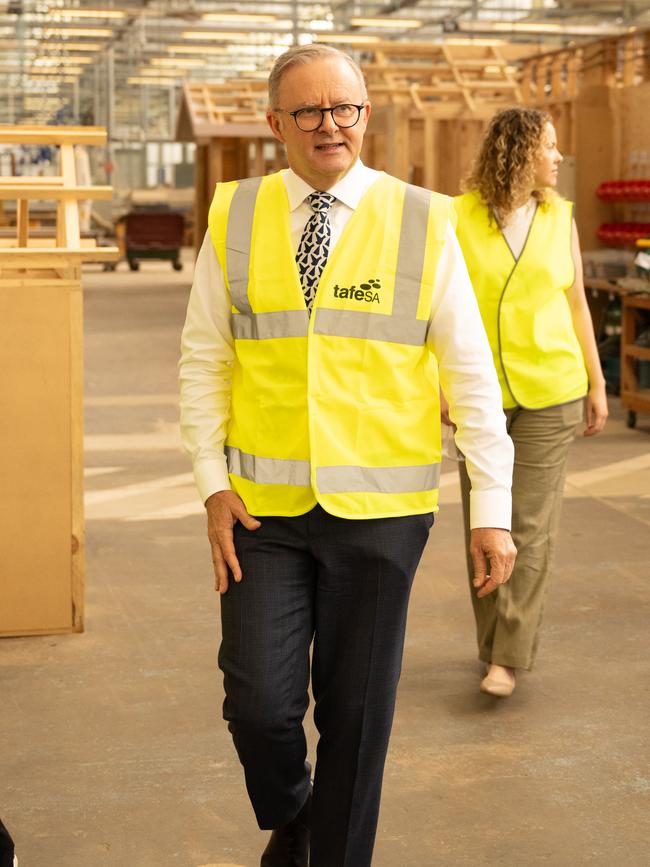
(328, 124)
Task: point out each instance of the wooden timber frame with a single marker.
(228, 125)
(598, 95)
(431, 103)
(41, 422)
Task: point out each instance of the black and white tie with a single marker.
(315, 244)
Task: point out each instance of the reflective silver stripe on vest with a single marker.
(267, 471)
(238, 241)
(401, 326)
(263, 326)
(377, 480)
(371, 326)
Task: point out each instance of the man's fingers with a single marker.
(480, 568)
(224, 509)
(220, 570)
(247, 520)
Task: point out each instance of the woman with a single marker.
(521, 246)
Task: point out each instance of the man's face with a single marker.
(324, 156)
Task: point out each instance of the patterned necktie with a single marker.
(314, 245)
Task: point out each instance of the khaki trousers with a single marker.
(509, 619)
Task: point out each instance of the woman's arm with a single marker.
(596, 397)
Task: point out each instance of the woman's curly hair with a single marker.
(504, 168)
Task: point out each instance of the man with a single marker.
(310, 407)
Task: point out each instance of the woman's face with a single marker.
(548, 159)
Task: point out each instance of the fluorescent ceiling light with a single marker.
(386, 22)
(238, 16)
(551, 28)
(213, 34)
(68, 46)
(40, 76)
(192, 49)
(477, 42)
(320, 24)
(65, 70)
(178, 62)
(53, 12)
(348, 38)
(68, 14)
(147, 70)
(527, 26)
(153, 82)
(64, 60)
(15, 44)
(63, 32)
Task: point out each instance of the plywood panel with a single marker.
(35, 459)
(596, 131)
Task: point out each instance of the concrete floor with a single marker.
(113, 751)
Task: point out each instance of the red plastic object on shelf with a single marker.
(633, 190)
(623, 233)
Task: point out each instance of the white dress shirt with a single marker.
(456, 337)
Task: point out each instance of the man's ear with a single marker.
(275, 126)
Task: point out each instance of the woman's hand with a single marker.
(597, 411)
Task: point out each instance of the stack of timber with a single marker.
(41, 358)
(431, 103)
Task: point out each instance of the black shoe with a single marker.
(289, 845)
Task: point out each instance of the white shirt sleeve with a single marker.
(469, 382)
(207, 353)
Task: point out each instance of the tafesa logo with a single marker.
(367, 292)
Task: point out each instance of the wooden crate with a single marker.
(41, 410)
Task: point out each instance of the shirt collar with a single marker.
(348, 190)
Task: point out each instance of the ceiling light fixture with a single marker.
(69, 46)
(63, 60)
(178, 62)
(65, 70)
(238, 16)
(213, 34)
(153, 82)
(478, 42)
(348, 38)
(192, 49)
(395, 23)
(63, 32)
(53, 12)
(153, 72)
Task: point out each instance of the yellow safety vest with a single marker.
(523, 302)
(340, 408)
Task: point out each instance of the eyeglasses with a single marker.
(311, 119)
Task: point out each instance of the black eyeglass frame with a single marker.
(332, 109)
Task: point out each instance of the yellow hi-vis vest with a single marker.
(340, 408)
(523, 302)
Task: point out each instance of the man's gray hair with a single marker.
(303, 54)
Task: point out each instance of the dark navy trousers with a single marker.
(343, 585)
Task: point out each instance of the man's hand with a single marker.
(444, 411)
(496, 546)
(224, 509)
